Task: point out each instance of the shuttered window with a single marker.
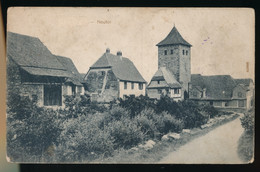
(52, 95)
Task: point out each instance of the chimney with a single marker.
(119, 53)
(107, 50)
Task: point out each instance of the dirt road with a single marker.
(217, 146)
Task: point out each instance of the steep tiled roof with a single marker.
(75, 78)
(173, 38)
(123, 68)
(164, 74)
(217, 86)
(34, 57)
(245, 81)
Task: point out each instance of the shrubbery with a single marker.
(248, 121)
(86, 131)
(31, 130)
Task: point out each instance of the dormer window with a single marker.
(165, 52)
(183, 52)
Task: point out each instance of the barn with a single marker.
(37, 73)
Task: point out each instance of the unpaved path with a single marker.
(218, 146)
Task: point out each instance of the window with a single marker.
(171, 51)
(165, 52)
(125, 85)
(79, 89)
(241, 103)
(102, 73)
(211, 103)
(239, 94)
(133, 85)
(176, 91)
(183, 52)
(158, 82)
(226, 104)
(73, 88)
(186, 52)
(140, 86)
(52, 95)
(159, 91)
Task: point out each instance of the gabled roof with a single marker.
(75, 78)
(122, 67)
(244, 81)
(173, 38)
(34, 57)
(217, 86)
(163, 74)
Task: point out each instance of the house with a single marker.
(33, 69)
(163, 82)
(222, 91)
(174, 55)
(113, 76)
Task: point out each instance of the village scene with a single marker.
(111, 113)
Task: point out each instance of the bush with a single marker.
(146, 122)
(83, 139)
(29, 138)
(248, 121)
(126, 133)
(136, 104)
(166, 122)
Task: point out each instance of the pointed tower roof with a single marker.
(173, 38)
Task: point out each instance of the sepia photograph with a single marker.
(130, 85)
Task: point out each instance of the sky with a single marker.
(222, 38)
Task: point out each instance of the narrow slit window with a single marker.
(171, 51)
(186, 52)
(165, 52)
(133, 85)
(183, 52)
(125, 85)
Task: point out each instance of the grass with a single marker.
(162, 148)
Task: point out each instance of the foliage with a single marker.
(31, 130)
(248, 121)
(136, 104)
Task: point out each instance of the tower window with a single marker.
(186, 52)
(158, 82)
(125, 85)
(171, 51)
(165, 52)
(183, 52)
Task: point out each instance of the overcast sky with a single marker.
(222, 39)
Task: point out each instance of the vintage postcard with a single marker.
(130, 85)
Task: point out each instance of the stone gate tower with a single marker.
(174, 54)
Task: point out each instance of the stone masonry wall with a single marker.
(102, 84)
(171, 61)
